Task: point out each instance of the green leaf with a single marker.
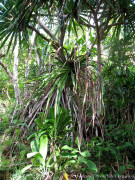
(22, 153)
(73, 78)
(40, 133)
(38, 158)
(122, 169)
(91, 166)
(34, 146)
(31, 136)
(85, 153)
(43, 146)
(51, 92)
(26, 168)
(49, 160)
(74, 25)
(67, 147)
(68, 163)
(39, 122)
(29, 155)
(60, 88)
(36, 162)
(77, 142)
(75, 151)
(18, 131)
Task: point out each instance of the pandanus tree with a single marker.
(104, 15)
(69, 80)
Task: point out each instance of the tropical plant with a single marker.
(113, 155)
(54, 127)
(39, 148)
(77, 55)
(77, 160)
(71, 16)
(50, 128)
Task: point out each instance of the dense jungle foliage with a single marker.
(67, 89)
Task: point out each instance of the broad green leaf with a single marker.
(91, 165)
(85, 153)
(75, 151)
(29, 155)
(41, 133)
(34, 146)
(67, 147)
(31, 136)
(48, 161)
(38, 159)
(43, 146)
(26, 168)
(68, 163)
(36, 162)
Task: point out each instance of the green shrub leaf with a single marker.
(43, 146)
(26, 168)
(91, 166)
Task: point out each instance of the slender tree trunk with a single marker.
(99, 89)
(99, 80)
(80, 127)
(37, 56)
(15, 75)
(27, 63)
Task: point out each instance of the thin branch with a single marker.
(85, 24)
(98, 7)
(106, 24)
(34, 29)
(116, 24)
(7, 70)
(46, 29)
(89, 5)
(93, 43)
(54, 44)
(75, 14)
(108, 18)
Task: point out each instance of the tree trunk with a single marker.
(37, 56)
(32, 39)
(15, 75)
(99, 89)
